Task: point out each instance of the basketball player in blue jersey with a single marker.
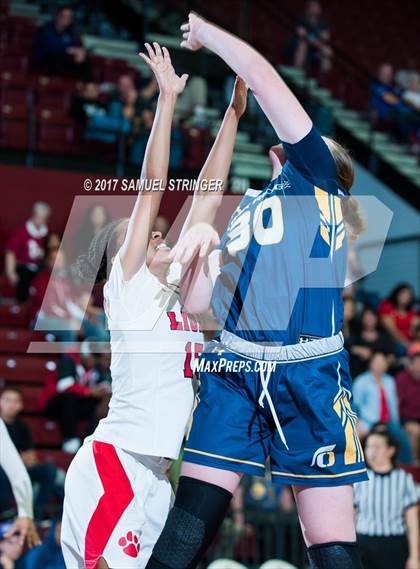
(275, 386)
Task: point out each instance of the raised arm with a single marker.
(206, 203)
(155, 164)
(283, 110)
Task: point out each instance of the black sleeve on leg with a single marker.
(192, 524)
(335, 555)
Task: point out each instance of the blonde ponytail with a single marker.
(355, 222)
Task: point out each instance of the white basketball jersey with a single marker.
(154, 345)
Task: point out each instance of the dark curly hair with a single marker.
(94, 266)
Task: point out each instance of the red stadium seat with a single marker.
(56, 133)
(6, 289)
(26, 368)
(107, 69)
(54, 101)
(14, 127)
(15, 341)
(44, 432)
(13, 314)
(14, 62)
(57, 457)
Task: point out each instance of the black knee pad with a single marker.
(335, 555)
(191, 526)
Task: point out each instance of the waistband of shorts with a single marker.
(317, 348)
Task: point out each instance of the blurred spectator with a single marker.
(146, 94)
(387, 510)
(370, 338)
(385, 93)
(125, 97)
(375, 401)
(312, 31)
(58, 49)
(49, 554)
(404, 75)
(56, 308)
(391, 112)
(95, 218)
(22, 528)
(10, 549)
(99, 120)
(262, 494)
(78, 389)
(349, 318)
(142, 127)
(408, 390)
(411, 95)
(193, 96)
(25, 250)
(44, 476)
(399, 316)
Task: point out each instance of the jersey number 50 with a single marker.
(239, 233)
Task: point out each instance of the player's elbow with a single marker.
(261, 75)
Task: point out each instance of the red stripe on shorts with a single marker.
(112, 504)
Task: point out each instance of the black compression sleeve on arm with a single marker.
(192, 524)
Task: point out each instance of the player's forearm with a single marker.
(156, 158)
(218, 163)
(146, 209)
(196, 287)
(217, 166)
(279, 104)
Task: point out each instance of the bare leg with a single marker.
(224, 478)
(326, 514)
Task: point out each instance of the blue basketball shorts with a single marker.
(289, 407)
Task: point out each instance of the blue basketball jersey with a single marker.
(284, 253)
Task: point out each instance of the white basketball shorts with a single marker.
(115, 506)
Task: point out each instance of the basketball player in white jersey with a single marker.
(117, 495)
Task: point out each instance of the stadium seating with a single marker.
(14, 129)
(26, 368)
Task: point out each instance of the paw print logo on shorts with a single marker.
(130, 544)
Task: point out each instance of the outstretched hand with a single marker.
(199, 239)
(159, 61)
(190, 31)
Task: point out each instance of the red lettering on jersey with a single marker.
(187, 324)
(175, 324)
(185, 320)
(194, 326)
(191, 349)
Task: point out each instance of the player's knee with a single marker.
(191, 525)
(332, 555)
